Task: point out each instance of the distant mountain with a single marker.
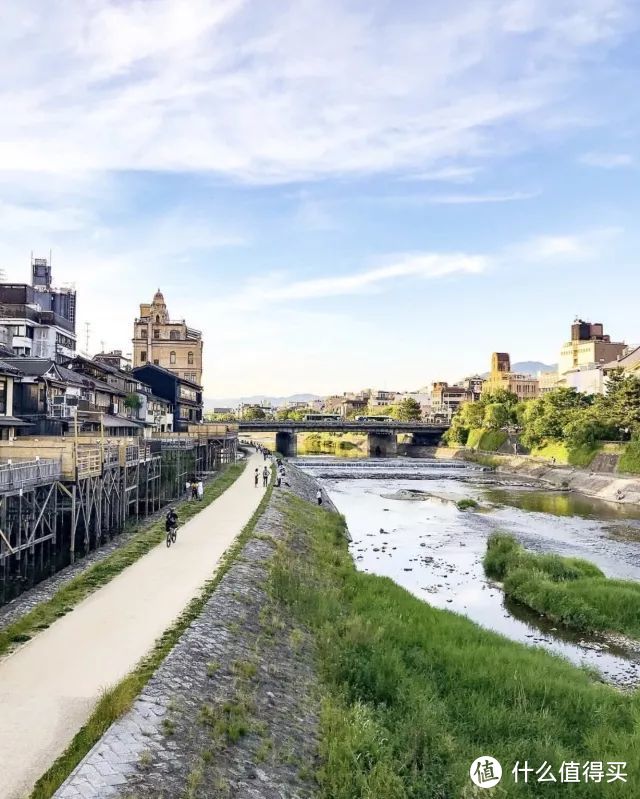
(276, 402)
(533, 367)
(530, 367)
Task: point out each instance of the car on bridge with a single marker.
(322, 417)
(375, 419)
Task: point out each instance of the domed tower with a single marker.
(159, 312)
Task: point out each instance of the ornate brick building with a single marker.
(168, 343)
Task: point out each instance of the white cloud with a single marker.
(472, 199)
(607, 160)
(286, 90)
(559, 248)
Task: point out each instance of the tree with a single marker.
(132, 401)
(253, 413)
(408, 410)
(496, 415)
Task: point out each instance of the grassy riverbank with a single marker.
(94, 577)
(567, 590)
(414, 694)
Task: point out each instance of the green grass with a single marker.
(568, 591)
(77, 589)
(413, 694)
(630, 459)
(575, 456)
(117, 700)
(467, 504)
(486, 440)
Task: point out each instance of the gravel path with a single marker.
(232, 713)
(49, 687)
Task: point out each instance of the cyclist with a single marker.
(171, 521)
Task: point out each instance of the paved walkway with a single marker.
(49, 687)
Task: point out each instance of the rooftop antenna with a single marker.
(102, 349)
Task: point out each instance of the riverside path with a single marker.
(49, 686)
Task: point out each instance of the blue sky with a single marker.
(340, 194)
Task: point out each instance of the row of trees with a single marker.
(408, 410)
(560, 415)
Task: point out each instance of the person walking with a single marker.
(200, 490)
(319, 496)
(194, 490)
(265, 477)
(256, 477)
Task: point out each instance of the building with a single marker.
(40, 320)
(184, 396)
(547, 381)
(629, 362)
(446, 399)
(9, 425)
(167, 343)
(587, 379)
(588, 345)
(377, 398)
(115, 359)
(525, 387)
(473, 385)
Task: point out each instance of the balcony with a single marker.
(23, 474)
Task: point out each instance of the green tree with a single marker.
(253, 413)
(408, 410)
(496, 415)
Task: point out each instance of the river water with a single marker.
(405, 525)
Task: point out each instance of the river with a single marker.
(405, 525)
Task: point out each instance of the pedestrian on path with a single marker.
(319, 496)
(265, 477)
(256, 477)
(200, 490)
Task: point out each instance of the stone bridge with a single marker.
(382, 437)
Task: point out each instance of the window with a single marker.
(156, 362)
(174, 335)
(172, 358)
(156, 333)
(157, 319)
(3, 395)
(190, 359)
(143, 357)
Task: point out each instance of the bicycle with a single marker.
(172, 536)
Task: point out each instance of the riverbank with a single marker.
(607, 486)
(394, 698)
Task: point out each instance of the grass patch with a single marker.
(568, 591)
(414, 694)
(119, 699)
(482, 460)
(575, 456)
(94, 577)
(486, 440)
(467, 504)
(630, 459)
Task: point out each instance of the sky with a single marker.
(339, 194)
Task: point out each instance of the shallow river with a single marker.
(435, 550)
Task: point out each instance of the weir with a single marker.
(61, 498)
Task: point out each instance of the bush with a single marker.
(569, 591)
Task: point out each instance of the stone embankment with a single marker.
(233, 710)
(602, 485)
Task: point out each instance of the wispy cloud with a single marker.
(425, 266)
(473, 199)
(258, 91)
(560, 248)
(608, 160)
